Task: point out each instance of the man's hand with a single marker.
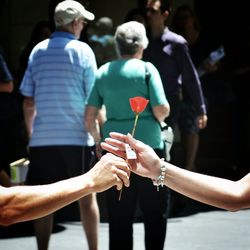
(201, 121)
(109, 171)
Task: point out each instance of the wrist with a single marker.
(160, 179)
(157, 168)
(87, 183)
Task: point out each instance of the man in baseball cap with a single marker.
(59, 77)
(69, 10)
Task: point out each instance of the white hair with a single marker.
(130, 37)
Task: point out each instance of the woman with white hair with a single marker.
(116, 82)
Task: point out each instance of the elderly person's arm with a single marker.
(92, 122)
(161, 112)
(29, 111)
(94, 118)
(22, 203)
(156, 93)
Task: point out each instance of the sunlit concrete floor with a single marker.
(211, 230)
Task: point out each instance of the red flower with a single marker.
(138, 104)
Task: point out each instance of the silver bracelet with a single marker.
(159, 181)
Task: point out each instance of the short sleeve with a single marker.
(95, 98)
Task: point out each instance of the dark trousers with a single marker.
(49, 164)
(153, 205)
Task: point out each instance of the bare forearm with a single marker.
(29, 114)
(161, 112)
(92, 123)
(214, 191)
(30, 202)
(94, 130)
(25, 203)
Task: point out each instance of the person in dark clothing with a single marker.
(8, 118)
(169, 52)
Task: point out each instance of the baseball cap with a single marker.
(68, 10)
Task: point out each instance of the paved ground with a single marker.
(211, 230)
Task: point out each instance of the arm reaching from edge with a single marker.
(22, 203)
(218, 192)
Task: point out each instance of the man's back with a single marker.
(59, 77)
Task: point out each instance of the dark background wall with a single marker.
(17, 19)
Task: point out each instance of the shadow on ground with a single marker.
(181, 206)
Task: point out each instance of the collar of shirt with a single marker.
(63, 34)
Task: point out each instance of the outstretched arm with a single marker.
(219, 192)
(22, 203)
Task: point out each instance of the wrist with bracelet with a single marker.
(159, 181)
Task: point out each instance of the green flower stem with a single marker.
(135, 123)
(132, 134)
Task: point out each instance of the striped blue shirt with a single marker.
(60, 75)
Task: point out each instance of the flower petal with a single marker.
(138, 104)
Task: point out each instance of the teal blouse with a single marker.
(116, 82)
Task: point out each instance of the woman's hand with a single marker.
(147, 162)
